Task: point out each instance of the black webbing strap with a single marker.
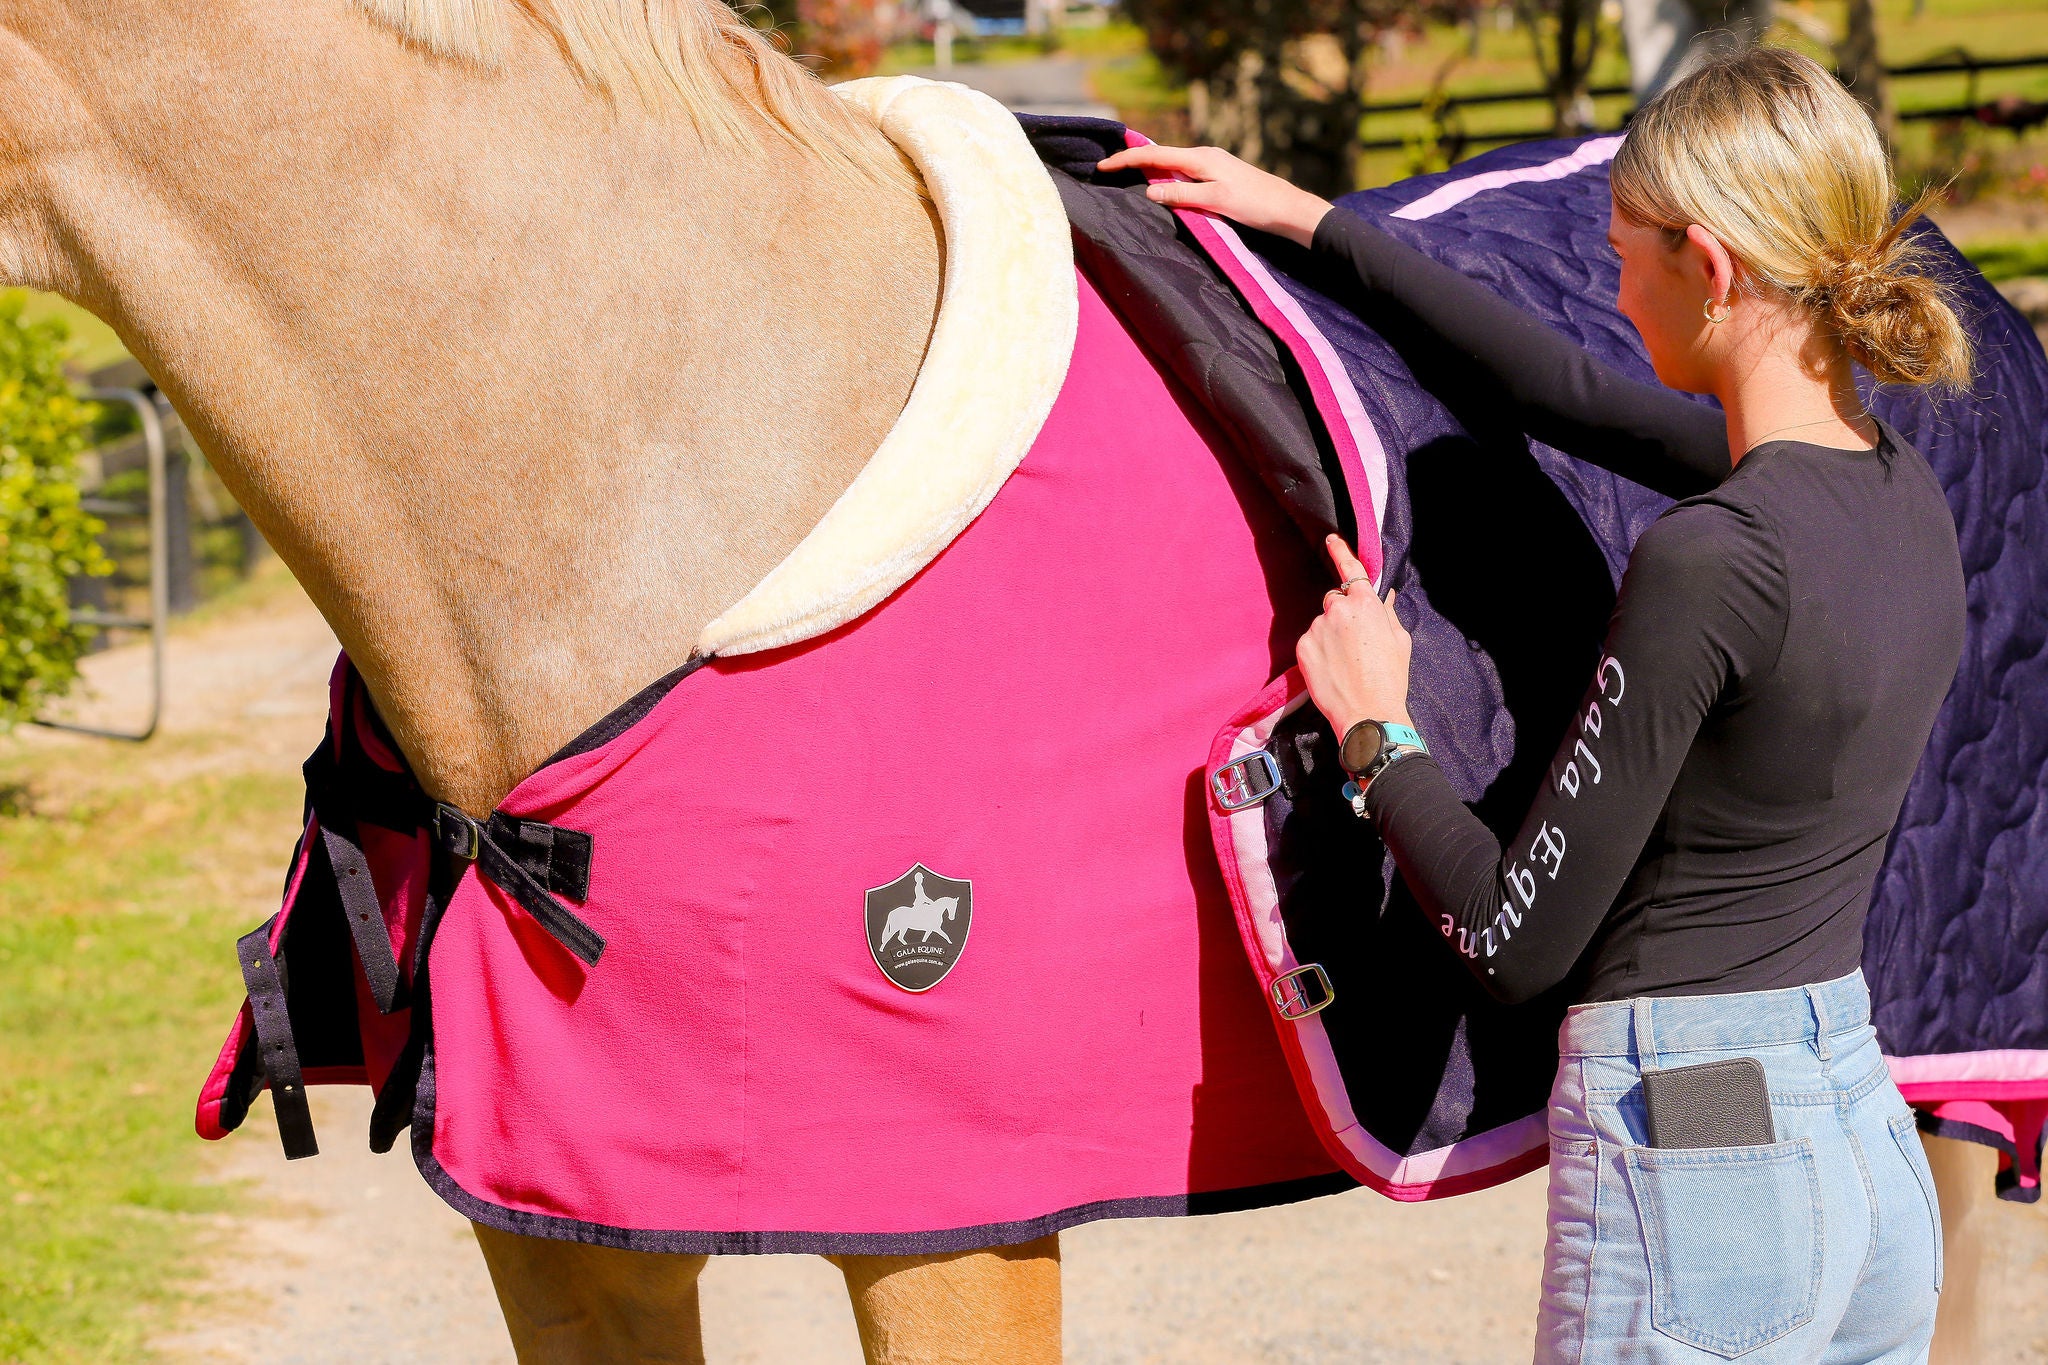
(276, 1047)
(564, 854)
(364, 912)
(340, 798)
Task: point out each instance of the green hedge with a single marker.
(46, 538)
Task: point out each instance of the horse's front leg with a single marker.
(570, 1304)
(995, 1307)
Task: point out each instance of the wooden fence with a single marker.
(1443, 106)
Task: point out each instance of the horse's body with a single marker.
(527, 383)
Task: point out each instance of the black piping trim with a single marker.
(2008, 1178)
(940, 1241)
(627, 713)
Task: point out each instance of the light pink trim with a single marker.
(1597, 152)
(1404, 1178)
(1363, 451)
(1248, 843)
(1415, 1178)
(1359, 452)
(2004, 1066)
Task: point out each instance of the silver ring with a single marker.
(1345, 586)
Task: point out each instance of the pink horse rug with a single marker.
(900, 935)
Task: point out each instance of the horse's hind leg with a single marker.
(995, 1307)
(1970, 1222)
(570, 1304)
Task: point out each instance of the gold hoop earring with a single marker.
(1727, 311)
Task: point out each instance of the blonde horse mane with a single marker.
(699, 58)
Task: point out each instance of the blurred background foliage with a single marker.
(47, 539)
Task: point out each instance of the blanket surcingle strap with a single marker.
(279, 1051)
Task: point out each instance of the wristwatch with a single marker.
(1371, 747)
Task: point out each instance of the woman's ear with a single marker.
(1720, 266)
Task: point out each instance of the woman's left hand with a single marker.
(1355, 656)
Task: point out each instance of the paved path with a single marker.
(351, 1258)
(1050, 85)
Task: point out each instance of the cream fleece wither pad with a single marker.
(997, 359)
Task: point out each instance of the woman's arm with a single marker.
(1557, 391)
(1701, 607)
(1554, 389)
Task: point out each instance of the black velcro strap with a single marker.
(365, 913)
(464, 838)
(557, 858)
(275, 1044)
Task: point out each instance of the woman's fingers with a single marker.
(1200, 162)
(1189, 194)
(1343, 561)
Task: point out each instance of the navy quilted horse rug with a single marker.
(1509, 554)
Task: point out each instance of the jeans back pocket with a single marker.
(1734, 1241)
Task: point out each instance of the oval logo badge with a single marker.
(917, 926)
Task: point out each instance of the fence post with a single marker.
(183, 582)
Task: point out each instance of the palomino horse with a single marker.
(462, 294)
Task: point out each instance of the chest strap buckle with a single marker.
(1244, 782)
(478, 842)
(457, 834)
(1304, 991)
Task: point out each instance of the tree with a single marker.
(840, 39)
(1862, 69)
(1566, 38)
(1279, 82)
(46, 538)
(846, 34)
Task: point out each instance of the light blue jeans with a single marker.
(1823, 1248)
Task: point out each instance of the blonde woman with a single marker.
(1733, 1174)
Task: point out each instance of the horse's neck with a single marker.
(524, 391)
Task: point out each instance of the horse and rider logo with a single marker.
(917, 926)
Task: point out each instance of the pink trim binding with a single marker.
(1359, 452)
(1482, 1160)
(2003, 1074)
(1595, 153)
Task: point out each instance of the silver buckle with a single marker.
(1292, 996)
(444, 815)
(1244, 782)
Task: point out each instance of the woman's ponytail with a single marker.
(1768, 152)
(1892, 316)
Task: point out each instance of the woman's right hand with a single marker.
(1217, 182)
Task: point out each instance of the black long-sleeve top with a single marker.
(1716, 815)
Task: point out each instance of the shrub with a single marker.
(46, 537)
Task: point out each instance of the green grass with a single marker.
(95, 342)
(117, 915)
(2009, 259)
